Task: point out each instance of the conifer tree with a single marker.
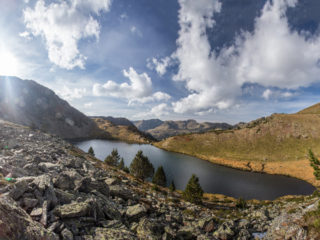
(91, 152)
(315, 163)
(172, 186)
(140, 167)
(193, 191)
(113, 159)
(159, 177)
(121, 164)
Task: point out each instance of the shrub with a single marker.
(159, 177)
(113, 159)
(241, 203)
(172, 186)
(121, 164)
(91, 152)
(315, 163)
(140, 167)
(193, 192)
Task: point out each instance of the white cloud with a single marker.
(272, 55)
(276, 94)
(266, 94)
(156, 97)
(157, 111)
(140, 86)
(159, 65)
(71, 93)
(139, 90)
(25, 35)
(88, 105)
(62, 25)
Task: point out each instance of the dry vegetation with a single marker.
(277, 144)
(121, 132)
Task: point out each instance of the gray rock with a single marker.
(135, 212)
(150, 229)
(18, 189)
(121, 192)
(113, 233)
(15, 223)
(66, 234)
(72, 210)
(225, 231)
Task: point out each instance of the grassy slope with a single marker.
(121, 132)
(278, 144)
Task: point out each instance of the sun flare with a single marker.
(8, 63)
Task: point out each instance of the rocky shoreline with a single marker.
(53, 190)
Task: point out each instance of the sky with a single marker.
(209, 60)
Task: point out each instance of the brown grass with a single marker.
(277, 145)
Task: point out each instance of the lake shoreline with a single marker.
(272, 168)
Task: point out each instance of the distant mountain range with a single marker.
(163, 129)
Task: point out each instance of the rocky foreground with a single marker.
(59, 192)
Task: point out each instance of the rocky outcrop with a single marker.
(55, 191)
(28, 103)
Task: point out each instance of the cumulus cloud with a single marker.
(157, 111)
(139, 90)
(272, 55)
(71, 93)
(159, 65)
(266, 94)
(62, 24)
(156, 97)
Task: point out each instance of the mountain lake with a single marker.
(213, 178)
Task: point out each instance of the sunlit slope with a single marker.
(280, 137)
(122, 132)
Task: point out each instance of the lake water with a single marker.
(213, 178)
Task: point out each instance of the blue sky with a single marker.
(210, 60)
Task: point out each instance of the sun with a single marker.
(9, 64)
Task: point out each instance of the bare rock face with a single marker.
(29, 103)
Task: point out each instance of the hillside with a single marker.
(122, 132)
(163, 129)
(29, 103)
(276, 144)
(145, 125)
(116, 121)
(56, 191)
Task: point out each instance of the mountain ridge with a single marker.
(163, 129)
(277, 144)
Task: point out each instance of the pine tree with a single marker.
(315, 163)
(172, 186)
(193, 191)
(91, 152)
(121, 164)
(159, 177)
(113, 159)
(140, 167)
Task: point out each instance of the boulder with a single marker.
(135, 212)
(72, 210)
(121, 192)
(16, 224)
